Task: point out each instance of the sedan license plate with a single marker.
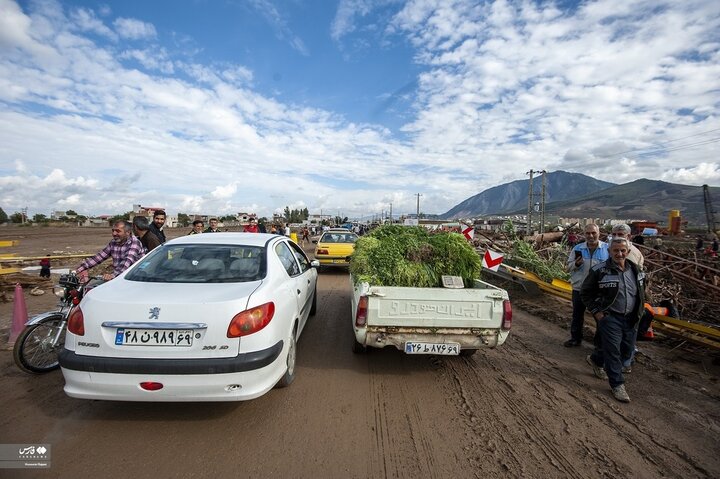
(339, 261)
(153, 337)
(446, 349)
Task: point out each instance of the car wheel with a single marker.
(358, 348)
(313, 307)
(289, 375)
(467, 352)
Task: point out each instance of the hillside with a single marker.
(576, 195)
(513, 196)
(640, 199)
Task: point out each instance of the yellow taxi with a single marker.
(335, 246)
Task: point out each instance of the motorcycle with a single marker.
(36, 348)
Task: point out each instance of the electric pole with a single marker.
(417, 214)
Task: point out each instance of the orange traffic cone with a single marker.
(649, 334)
(20, 315)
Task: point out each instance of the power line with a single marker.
(659, 147)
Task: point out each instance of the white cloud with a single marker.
(505, 87)
(134, 29)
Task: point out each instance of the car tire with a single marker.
(313, 306)
(291, 359)
(468, 352)
(358, 348)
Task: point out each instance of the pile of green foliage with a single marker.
(525, 257)
(394, 255)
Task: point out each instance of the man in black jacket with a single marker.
(157, 225)
(613, 292)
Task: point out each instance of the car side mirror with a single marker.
(314, 241)
(315, 263)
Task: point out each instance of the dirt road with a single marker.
(529, 409)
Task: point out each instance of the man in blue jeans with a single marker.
(614, 293)
(583, 257)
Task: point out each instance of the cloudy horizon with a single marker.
(346, 107)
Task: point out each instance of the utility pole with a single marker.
(542, 204)
(417, 214)
(391, 213)
(528, 230)
(531, 202)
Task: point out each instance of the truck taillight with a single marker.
(361, 314)
(507, 315)
(76, 322)
(322, 251)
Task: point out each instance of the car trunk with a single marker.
(164, 321)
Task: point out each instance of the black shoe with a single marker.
(571, 343)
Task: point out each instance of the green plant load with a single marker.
(394, 255)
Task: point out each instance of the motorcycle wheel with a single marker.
(34, 351)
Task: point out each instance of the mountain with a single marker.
(574, 195)
(513, 197)
(640, 199)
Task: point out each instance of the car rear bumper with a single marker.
(82, 380)
(241, 362)
(333, 261)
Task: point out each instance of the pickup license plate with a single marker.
(446, 349)
(153, 337)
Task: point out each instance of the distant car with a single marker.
(211, 317)
(335, 246)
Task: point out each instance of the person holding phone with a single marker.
(582, 257)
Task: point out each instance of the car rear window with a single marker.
(338, 238)
(201, 264)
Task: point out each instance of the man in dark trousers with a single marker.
(582, 257)
(613, 292)
(158, 222)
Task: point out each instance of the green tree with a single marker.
(287, 213)
(39, 218)
(183, 219)
(16, 217)
(70, 213)
(81, 218)
(3, 216)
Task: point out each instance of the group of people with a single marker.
(130, 242)
(608, 280)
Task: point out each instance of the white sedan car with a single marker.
(210, 317)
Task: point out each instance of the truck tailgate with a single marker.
(435, 307)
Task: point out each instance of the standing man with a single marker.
(213, 226)
(141, 228)
(124, 249)
(156, 227)
(634, 255)
(613, 291)
(251, 227)
(198, 226)
(583, 257)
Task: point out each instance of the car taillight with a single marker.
(76, 322)
(322, 251)
(251, 320)
(151, 386)
(361, 314)
(507, 315)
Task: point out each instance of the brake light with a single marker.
(322, 251)
(151, 386)
(251, 320)
(361, 314)
(76, 322)
(507, 315)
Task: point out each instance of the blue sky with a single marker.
(219, 107)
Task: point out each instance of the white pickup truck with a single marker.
(441, 321)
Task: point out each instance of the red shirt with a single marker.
(251, 229)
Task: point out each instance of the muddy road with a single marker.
(529, 409)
